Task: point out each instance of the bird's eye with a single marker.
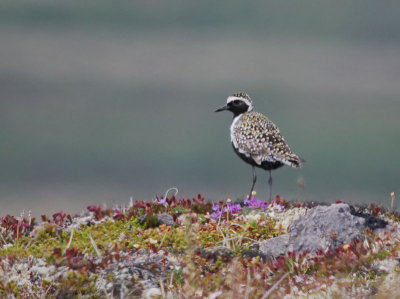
(236, 102)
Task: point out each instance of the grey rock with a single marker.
(275, 246)
(325, 227)
(371, 221)
(166, 219)
(322, 228)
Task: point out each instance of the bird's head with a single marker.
(237, 103)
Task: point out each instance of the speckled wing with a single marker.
(256, 136)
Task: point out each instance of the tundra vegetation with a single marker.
(189, 248)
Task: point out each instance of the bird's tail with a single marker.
(297, 163)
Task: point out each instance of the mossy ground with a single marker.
(78, 250)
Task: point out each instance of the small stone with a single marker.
(166, 219)
(274, 247)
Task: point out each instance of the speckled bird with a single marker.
(256, 139)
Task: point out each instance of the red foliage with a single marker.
(118, 215)
(14, 227)
(62, 219)
(74, 258)
(116, 252)
(200, 198)
(281, 201)
(99, 212)
(57, 252)
(374, 209)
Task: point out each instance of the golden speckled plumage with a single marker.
(242, 95)
(255, 136)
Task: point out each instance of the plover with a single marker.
(256, 139)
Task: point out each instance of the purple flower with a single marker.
(163, 201)
(216, 215)
(229, 208)
(255, 203)
(233, 208)
(215, 207)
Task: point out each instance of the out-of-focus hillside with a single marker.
(104, 101)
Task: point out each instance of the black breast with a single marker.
(264, 165)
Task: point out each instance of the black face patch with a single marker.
(237, 106)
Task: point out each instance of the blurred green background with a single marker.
(101, 101)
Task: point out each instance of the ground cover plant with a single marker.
(188, 248)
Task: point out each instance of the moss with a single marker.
(8, 289)
(382, 254)
(201, 209)
(13, 251)
(76, 285)
(179, 210)
(253, 224)
(177, 277)
(150, 221)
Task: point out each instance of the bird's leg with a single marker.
(254, 181)
(270, 186)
